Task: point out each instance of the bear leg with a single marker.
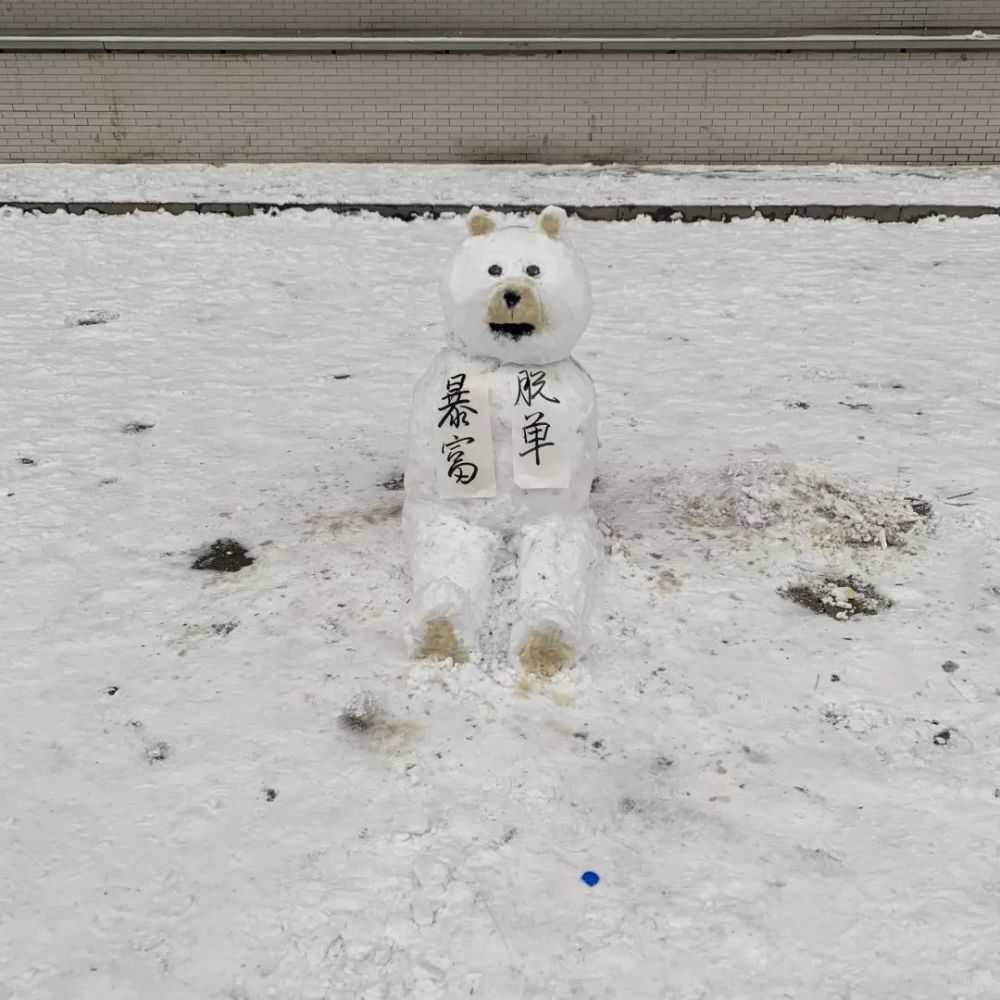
(451, 563)
(556, 559)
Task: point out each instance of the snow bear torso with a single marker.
(540, 417)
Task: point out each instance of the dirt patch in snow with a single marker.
(224, 555)
(352, 520)
(365, 718)
(838, 598)
(361, 713)
(158, 751)
(92, 317)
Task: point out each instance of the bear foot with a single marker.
(441, 642)
(546, 652)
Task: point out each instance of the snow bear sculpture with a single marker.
(502, 448)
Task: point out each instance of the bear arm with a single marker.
(422, 429)
(583, 384)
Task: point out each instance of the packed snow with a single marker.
(520, 184)
(235, 785)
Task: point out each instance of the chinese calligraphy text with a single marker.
(456, 403)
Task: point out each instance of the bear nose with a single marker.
(511, 298)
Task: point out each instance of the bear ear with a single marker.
(552, 222)
(479, 223)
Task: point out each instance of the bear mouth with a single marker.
(515, 331)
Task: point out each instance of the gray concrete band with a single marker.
(976, 42)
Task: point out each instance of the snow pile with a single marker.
(777, 497)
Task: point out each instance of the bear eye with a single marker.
(496, 270)
(532, 270)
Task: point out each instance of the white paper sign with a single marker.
(542, 432)
(464, 459)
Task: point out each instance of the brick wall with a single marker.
(746, 108)
(718, 16)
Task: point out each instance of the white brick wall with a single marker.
(718, 16)
(934, 108)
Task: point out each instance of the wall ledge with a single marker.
(976, 41)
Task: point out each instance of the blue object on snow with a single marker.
(591, 878)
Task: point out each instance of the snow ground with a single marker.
(184, 814)
(528, 184)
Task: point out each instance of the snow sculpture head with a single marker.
(517, 294)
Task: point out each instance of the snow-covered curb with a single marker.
(515, 185)
(592, 213)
